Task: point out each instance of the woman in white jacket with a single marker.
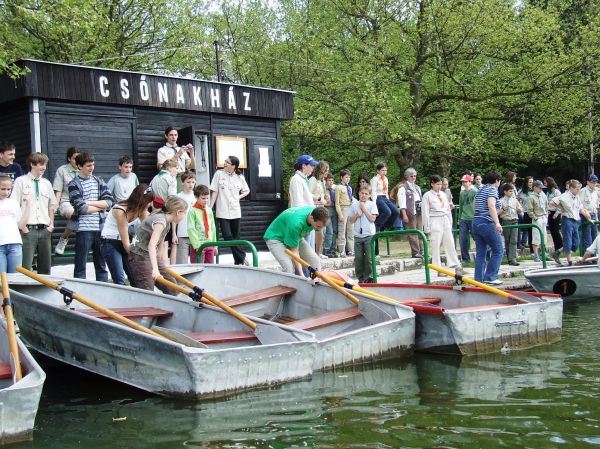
(437, 224)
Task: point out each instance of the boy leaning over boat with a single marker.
(592, 251)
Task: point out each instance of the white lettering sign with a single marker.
(179, 91)
(124, 89)
(163, 93)
(103, 81)
(215, 98)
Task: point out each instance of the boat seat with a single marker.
(130, 312)
(480, 307)
(326, 319)
(5, 371)
(222, 336)
(258, 295)
(418, 300)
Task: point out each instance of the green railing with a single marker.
(582, 225)
(229, 243)
(386, 235)
(542, 237)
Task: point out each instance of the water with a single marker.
(547, 397)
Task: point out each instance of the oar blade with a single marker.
(269, 334)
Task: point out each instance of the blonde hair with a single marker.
(573, 183)
(5, 177)
(320, 170)
(169, 163)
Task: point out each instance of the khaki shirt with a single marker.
(41, 205)
(230, 188)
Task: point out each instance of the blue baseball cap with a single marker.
(306, 159)
(593, 178)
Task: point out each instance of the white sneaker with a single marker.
(61, 245)
(323, 256)
(494, 282)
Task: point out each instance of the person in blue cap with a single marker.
(299, 190)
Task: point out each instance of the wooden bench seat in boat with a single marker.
(221, 337)
(130, 312)
(326, 319)
(258, 295)
(419, 300)
(5, 370)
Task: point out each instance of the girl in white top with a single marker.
(11, 245)
(317, 188)
(435, 211)
(114, 241)
(299, 185)
(228, 187)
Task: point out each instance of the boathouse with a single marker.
(114, 113)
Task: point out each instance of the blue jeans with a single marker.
(387, 213)
(11, 255)
(117, 260)
(84, 242)
(570, 230)
(486, 237)
(465, 228)
(589, 231)
(331, 229)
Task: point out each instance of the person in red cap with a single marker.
(466, 203)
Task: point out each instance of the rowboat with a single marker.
(576, 282)
(18, 399)
(346, 333)
(213, 354)
(469, 321)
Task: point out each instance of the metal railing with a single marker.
(542, 237)
(230, 243)
(386, 235)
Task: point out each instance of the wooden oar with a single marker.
(115, 316)
(189, 284)
(266, 334)
(320, 275)
(490, 289)
(10, 328)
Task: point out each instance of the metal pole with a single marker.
(218, 56)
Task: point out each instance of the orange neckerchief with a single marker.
(385, 186)
(205, 214)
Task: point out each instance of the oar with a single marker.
(320, 275)
(115, 316)
(266, 334)
(490, 289)
(10, 328)
(189, 284)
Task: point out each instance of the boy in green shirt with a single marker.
(467, 211)
(288, 231)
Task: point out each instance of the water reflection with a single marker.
(545, 397)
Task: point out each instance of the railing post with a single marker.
(386, 234)
(542, 238)
(229, 243)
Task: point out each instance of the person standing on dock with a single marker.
(183, 155)
(409, 202)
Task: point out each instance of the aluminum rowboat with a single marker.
(576, 282)
(346, 334)
(232, 360)
(18, 400)
(469, 321)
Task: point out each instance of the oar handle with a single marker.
(206, 298)
(105, 311)
(322, 276)
(10, 328)
(184, 281)
(475, 283)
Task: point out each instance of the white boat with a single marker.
(18, 399)
(217, 354)
(468, 321)
(572, 283)
(346, 333)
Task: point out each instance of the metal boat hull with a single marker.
(19, 400)
(572, 283)
(151, 363)
(474, 321)
(384, 331)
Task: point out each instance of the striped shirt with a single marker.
(89, 222)
(481, 201)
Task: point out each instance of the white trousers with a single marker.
(441, 234)
(535, 237)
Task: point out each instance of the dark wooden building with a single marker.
(114, 113)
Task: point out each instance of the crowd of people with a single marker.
(324, 219)
(327, 220)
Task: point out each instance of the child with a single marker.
(201, 224)
(122, 184)
(184, 250)
(147, 253)
(537, 209)
(90, 199)
(288, 231)
(570, 207)
(11, 248)
(466, 203)
(331, 230)
(510, 209)
(64, 175)
(164, 184)
(343, 201)
(37, 231)
(362, 215)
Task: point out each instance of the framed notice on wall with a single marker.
(231, 146)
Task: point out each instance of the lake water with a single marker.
(548, 397)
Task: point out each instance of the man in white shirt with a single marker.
(589, 199)
(185, 156)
